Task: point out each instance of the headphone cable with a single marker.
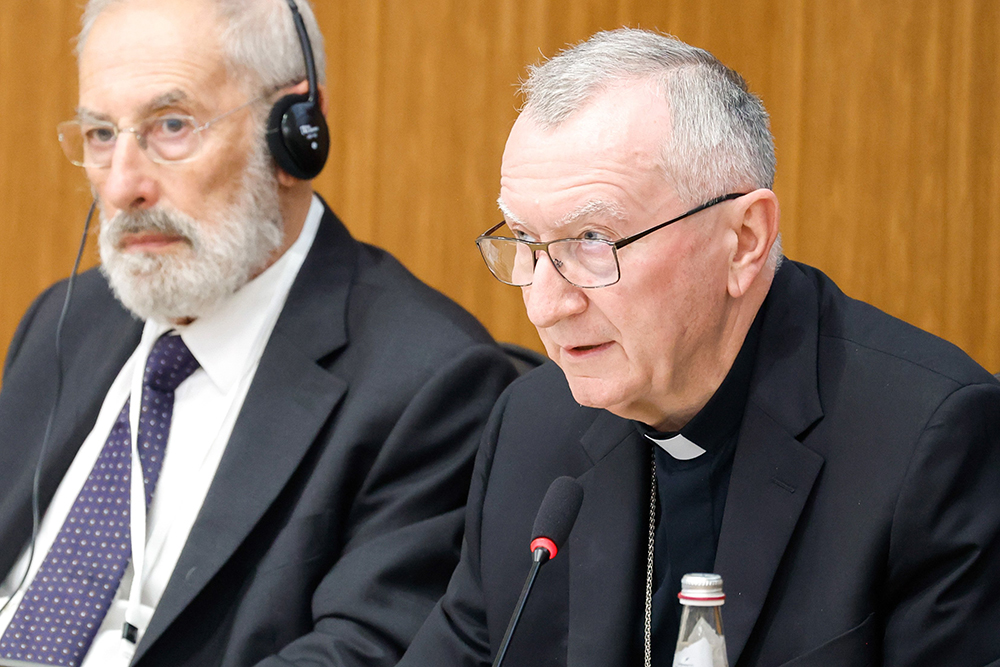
(36, 480)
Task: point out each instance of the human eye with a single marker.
(523, 235)
(595, 235)
(97, 135)
(172, 126)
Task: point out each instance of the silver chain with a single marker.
(649, 563)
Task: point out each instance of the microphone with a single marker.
(553, 523)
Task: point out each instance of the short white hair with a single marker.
(720, 139)
(259, 39)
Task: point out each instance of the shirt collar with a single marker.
(677, 446)
(223, 340)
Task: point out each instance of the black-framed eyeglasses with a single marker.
(582, 262)
(165, 138)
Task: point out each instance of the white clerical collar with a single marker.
(679, 447)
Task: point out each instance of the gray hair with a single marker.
(720, 140)
(259, 39)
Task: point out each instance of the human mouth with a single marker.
(154, 231)
(150, 241)
(583, 351)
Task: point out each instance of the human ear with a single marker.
(756, 230)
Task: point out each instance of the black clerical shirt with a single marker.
(692, 493)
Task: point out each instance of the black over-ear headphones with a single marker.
(296, 129)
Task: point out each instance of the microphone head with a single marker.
(557, 514)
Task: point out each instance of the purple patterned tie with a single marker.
(72, 590)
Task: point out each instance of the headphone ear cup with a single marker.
(298, 136)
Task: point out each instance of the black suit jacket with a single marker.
(335, 517)
(862, 522)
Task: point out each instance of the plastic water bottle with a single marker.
(700, 642)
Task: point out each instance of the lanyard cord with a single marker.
(137, 512)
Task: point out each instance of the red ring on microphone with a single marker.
(544, 543)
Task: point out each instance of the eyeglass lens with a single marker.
(583, 262)
(164, 139)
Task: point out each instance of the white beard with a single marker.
(223, 254)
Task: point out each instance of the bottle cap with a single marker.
(701, 590)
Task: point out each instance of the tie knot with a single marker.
(170, 362)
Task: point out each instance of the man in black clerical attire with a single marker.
(723, 409)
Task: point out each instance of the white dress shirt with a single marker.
(228, 344)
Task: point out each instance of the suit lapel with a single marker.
(772, 477)
(606, 567)
(773, 473)
(290, 399)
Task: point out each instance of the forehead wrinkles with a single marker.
(600, 163)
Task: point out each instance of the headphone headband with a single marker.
(297, 133)
(307, 51)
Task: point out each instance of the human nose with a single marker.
(128, 182)
(551, 298)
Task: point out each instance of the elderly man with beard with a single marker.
(722, 410)
(303, 410)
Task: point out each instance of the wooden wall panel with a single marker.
(43, 198)
(886, 117)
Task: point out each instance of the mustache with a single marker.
(156, 220)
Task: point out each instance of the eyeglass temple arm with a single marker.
(697, 209)
(621, 243)
(229, 113)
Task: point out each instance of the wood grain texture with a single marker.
(886, 117)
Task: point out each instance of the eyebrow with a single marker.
(507, 213)
(589, 209)
(158, 103)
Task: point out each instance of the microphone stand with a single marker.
(539, 557)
